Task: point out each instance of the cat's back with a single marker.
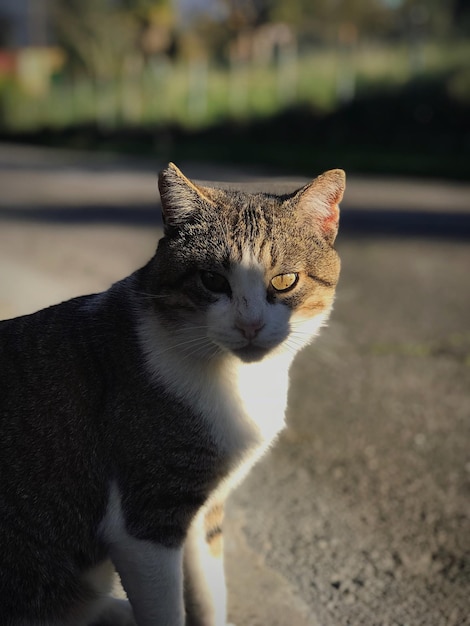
(49, 380)
(54, 371)
(70, 339)
(37, 350)
(43, 330)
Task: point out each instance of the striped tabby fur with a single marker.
(127, 417)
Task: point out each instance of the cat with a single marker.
(127, 417)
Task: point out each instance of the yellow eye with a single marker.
(285, 282)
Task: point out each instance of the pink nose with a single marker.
(249, 328)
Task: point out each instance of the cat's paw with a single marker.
(116, 613)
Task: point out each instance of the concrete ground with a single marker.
(360, 513)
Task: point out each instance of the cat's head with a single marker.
(243, 273)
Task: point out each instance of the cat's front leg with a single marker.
(152, 576)
(151, 573)
(204, 584)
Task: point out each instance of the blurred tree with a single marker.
(247, 14)
(437, 18)
(321, 19)
(365, 14)
(157, 22)
(95, 36)
(373, 18)
(100, 36)
(460, 16)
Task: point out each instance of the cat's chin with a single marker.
(251, 354)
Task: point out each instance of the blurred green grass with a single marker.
(198, 94)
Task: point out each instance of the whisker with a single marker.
(186, 329)
(295, 344)
(209, 350)
(193, 341)
(308, 331)
(300, 333)
(301, 338)
(293, 348)
(290, 348)
(296, 325)
(150, 295)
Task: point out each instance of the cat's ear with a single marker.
(318, 202)
(180, 196)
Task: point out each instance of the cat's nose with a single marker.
(249, 328)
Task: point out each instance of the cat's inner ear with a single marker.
(180, 197)
(318, 202)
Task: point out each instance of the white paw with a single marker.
(116, 613)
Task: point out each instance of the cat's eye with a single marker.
(215, 282)
(285, 282)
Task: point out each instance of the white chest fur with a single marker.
(243, 404)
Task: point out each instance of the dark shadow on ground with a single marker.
(401, 223)
(135, 215)
(354, 221)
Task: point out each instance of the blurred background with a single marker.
(374, 86)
